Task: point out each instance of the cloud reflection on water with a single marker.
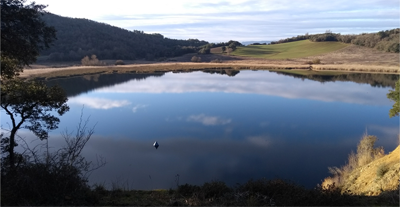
(137, 107)
(208, 120)
(255, 82)
(98, 103)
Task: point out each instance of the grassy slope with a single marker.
(296, 49)
(365, 180)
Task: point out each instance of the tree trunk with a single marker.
(11, 148)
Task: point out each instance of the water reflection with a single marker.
(84, 84)
(215, 127)
(254, 82)
(375, 80)
(77, 85)
(198, 161)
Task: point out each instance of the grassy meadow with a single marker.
(298, 49)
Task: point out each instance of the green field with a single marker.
(296, 49)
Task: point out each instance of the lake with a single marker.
(231, 127)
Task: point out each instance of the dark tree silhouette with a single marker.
(23, 35)
(29, 105)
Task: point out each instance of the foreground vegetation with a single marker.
(368, 171)
(296, 49)
(252, 193)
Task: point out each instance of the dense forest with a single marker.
(388, 40)
(77, 38)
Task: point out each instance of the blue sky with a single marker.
(242, 20)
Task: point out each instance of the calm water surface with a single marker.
(257, 124)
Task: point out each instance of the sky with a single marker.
(241, 20)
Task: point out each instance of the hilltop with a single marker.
(77, 38)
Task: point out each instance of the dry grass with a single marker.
(368, 172)
(187, 67)
(357, 55)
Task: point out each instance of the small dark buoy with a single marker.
(156, 144)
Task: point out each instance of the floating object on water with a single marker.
(156, 144)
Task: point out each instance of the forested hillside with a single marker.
(77, 38)
(387, 40)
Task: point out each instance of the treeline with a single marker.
(205, 49)
(78, 85)
(375, 80)
(77, 38)
(387, 40)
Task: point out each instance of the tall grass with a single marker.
(366, 153)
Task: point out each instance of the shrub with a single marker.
(92, 61)
(119, 62)
(214, 189)
(216, 61)
(196, 59)
(188, 190)
(366, 153)
(308, 62)
(381, 170)
(316, 61)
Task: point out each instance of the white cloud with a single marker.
(98, 103)
(208, 120)
(138, 106)
(251, 19)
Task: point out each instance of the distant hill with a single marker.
(252, 42)
(385, 40)
(77, 38)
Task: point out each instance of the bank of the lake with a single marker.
(46, 73)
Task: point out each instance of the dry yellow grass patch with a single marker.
(189, 66)
(366, 179)
(369, 179)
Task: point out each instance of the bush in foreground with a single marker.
(260, 192)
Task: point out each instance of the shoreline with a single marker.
(62, 72)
